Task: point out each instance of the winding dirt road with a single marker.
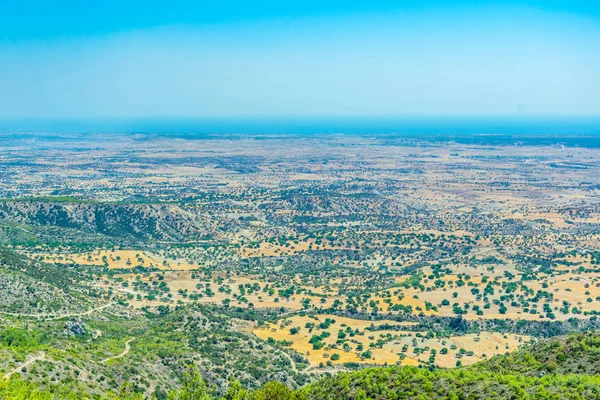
(28, 362)
(123, 354)
(60, 316)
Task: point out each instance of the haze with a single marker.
(510, 59)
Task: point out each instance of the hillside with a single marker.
(415, 383)
(571, 354)
(129, 221)
(32, 288)
(96, 354)
(560, 368)
(524, 374)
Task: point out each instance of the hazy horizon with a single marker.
(433, 125)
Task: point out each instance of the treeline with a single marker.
(460, 326)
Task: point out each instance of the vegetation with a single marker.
(521, 375)
(209, 268)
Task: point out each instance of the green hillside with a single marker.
(560, 368)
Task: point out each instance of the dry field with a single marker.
(117, 259)
(386, 346)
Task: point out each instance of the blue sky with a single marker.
(181, 59)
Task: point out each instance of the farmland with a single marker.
(329, 252)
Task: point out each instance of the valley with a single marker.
(287, 258)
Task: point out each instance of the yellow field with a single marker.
(266, 249)
(121, 259)
(395, 346)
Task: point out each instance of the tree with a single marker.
(274, 391)
(193, 387)
(236, 391)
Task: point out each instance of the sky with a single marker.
(230, 59)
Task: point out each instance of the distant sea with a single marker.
(569, 131)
